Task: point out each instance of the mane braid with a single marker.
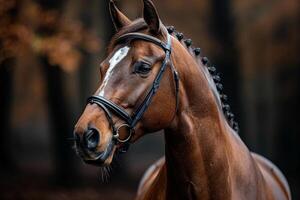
(221, 97)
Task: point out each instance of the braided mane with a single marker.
(214, 76)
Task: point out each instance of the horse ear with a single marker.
(151, 16)
(118, 18)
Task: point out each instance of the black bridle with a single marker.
(131, 120)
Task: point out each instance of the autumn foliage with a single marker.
(27, 27)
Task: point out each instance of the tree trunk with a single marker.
(97, 15)
(59, 108)
(61, 121)
(223, 27)
(6, 87)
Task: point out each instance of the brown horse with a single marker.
(152, 80)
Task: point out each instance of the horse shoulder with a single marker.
(149, 178)
(274, 178)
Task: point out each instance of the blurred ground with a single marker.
(38, 190)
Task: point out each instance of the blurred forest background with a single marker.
(50, 51)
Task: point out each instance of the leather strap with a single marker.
(111, 106)
(148, 38)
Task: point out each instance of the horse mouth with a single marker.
(98, 158)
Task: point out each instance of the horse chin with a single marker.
(104, 158)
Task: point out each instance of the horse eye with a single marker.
(142, 68)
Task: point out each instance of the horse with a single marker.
(153, 79)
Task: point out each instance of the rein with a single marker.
(131, 120)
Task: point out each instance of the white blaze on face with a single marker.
(113, 62)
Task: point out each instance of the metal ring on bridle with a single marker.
(117, 135)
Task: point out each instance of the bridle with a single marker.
(131, 120)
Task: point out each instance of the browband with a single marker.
(148, 38)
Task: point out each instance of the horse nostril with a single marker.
(91, 139)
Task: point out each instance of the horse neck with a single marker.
(197, 143)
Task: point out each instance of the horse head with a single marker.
(138, 90)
